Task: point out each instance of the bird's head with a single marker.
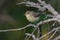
(29, 13)
(32, 16)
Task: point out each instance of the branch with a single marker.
(29, 25)
(49, 32)
(52, 35)
(45, 21)
(49, 7)
(52, 10)
(33, 36)
(32, 4)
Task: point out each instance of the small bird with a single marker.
(32, 16)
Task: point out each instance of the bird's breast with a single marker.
(32, 18)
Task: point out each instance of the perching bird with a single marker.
(32, 16)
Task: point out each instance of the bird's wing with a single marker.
(36, 14)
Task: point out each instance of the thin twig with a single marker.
(29, 25)
(32, 33)
(45, 21)
(49, 32)
(52, 35)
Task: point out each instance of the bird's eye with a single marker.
(27, 13)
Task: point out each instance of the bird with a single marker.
(32, 16)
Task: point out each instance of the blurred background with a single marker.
(12, 16)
